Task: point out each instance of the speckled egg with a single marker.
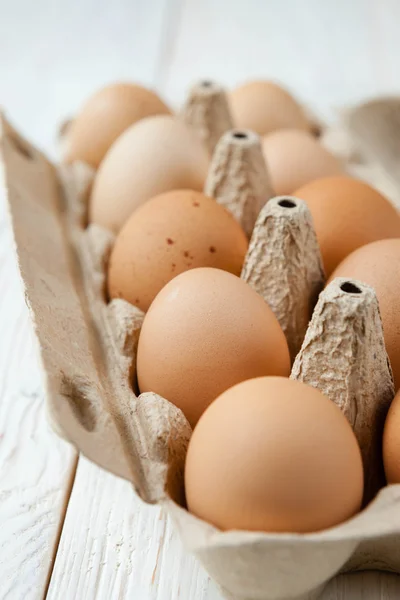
(169, 234)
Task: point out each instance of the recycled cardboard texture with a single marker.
(284, 265)
(87, 349)
(87, 346)
(238, 177)
(207, 112)
(344, 356)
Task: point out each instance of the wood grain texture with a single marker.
(113, 546)
(330, 54)
(36, 467)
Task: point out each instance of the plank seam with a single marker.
(60, 527)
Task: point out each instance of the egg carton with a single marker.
(88, 349)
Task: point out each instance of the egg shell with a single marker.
(347, 214)
(153, 156)
(264, 106)
(295, 158)
(378, 265)
(275, 455)
(168, 235)
(205, 331)
(105, 116)
(391, 442)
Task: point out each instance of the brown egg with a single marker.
(378, 265)
(105, 116)
(272, 454)
(391, 442)
(205, 331)
(347, 214)
(153, 156)
(168, 235)
(295, 158)
(264, 106)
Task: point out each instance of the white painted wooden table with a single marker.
(68, 530)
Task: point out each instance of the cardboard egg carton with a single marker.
(88, 348)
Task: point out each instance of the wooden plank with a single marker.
(36, 467)
(113, 546)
